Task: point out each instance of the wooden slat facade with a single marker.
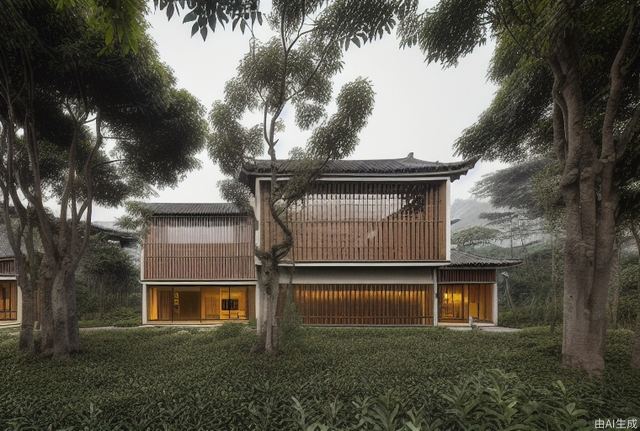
(358, 304)
(466, 276)
(363, 221)
(199, 248)
(7, 267)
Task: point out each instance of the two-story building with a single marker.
(371, 247)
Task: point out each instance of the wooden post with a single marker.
(435, 297)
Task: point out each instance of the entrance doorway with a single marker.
(459, 301)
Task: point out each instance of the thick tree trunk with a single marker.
(635, 353)
(72, 313)
(269, 286)
(61, 342)
(45, 282)
(590, 224)
(26, 341)
(614, 289)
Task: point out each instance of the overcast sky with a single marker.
(418, 108)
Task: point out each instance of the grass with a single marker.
(164, 378)
(119, 317)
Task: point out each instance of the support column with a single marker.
(258, 301)
(18, 303)
(435, 297)
(144, 303)
(495, 301)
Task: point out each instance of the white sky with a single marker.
(418, 108)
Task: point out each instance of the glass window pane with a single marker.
(186, 304)
(210, 303)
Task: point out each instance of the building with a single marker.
(9, 292)
(371, 247)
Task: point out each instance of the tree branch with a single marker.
(617, 77)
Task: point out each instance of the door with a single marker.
(452, 302)
(458, 302)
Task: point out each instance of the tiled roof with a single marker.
(406, 166)
(5, 247)
(192, 208)
(464, 259)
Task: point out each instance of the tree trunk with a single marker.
(590, 225)
(271, 337)
(507, 292)
(72, 313)
(614, 289)
(269, 286)
(635, 353)
(46, 312)
(26, 341)
(61, 347)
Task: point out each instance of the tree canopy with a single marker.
(64, 95)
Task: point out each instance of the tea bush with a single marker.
(333, 379)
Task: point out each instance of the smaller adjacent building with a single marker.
(9, 292)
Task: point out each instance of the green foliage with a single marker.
(518, 124)
(106, 280)
(206, 14)
(290, 325)
(474, 236)
(157, 130)
(513, 187)
(121, 317)
(337, 379)
(452, 29)
(229, 330)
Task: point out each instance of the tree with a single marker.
(529, 190)
(57, 80)
(474, 236)
(106, 277)
(294, 68)
(568, 74)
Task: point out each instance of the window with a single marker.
(8, 300)
(197, 304)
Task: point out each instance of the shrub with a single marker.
(229, 330)
(120, 317)
(289, 326)
(490, 400)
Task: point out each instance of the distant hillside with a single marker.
(468, 211)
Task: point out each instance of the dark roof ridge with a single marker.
(462, 258)
(192, 208)
(407, 166)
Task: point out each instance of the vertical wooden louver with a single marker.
(363, 221)
(362, 304)
(454, 275)
(199, 248)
